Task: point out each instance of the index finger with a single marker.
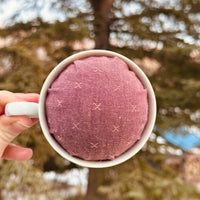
(7, 97)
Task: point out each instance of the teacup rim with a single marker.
(151, 110)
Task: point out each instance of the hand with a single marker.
(11, 127)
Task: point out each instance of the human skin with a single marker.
(12, 126)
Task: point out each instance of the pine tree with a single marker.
(137, 29)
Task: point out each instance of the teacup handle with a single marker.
(22, 108)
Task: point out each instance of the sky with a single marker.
(9, 7)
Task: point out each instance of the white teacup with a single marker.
(38, 110)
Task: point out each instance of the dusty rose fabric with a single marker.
(97, 108)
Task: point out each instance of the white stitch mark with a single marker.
(94, 145)
(140, 131)
(78, 85)
(97, 70)
(129, 142)
(97, 106)
(59, 138)
(115, 129)
(134, 108)
(75, 126)
(117, 88)
(59, 103)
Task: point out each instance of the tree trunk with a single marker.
(1, 198)
(96, 178)
(102, 14)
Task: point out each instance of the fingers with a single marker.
(32, 97)
(13, 152)
(7, 97)
(15, 124)
(11, 127)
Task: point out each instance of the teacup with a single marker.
(38, 110)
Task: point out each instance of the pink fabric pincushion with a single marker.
(97, 108)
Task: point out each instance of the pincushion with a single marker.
(97, 108)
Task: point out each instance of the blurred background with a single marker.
(163, 38)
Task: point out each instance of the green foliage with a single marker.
(162, 21)
(25, 72)
(22, 177)
(20, 61)
(26, 182)
(176, 84)
(177, 87)
(145, 176)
